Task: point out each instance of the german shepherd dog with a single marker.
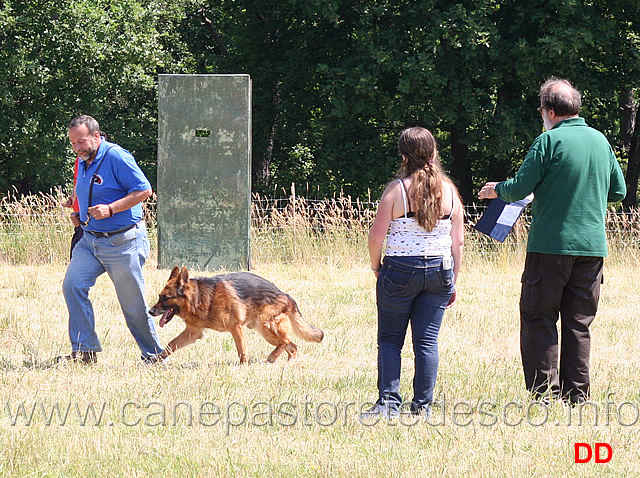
(227, 303)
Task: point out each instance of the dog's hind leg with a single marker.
(241, 343)
(292, 350)
(281, 343)
(273, 356)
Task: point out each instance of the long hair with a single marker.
(420, 161)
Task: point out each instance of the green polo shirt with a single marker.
(573, 173)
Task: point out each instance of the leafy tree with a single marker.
(334, 81)
(280, 44)
(68, 57)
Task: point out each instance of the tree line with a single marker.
(334, 81)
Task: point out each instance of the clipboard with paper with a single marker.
(500, 217)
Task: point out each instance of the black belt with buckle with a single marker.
(111, 233)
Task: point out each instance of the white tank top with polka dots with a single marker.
(407, 238)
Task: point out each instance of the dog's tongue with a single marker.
(166, 317)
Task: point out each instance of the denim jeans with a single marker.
(122, 257)
(417, 290)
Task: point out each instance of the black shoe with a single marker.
(575, 400)
(424, 411)
(546, 399)
(86, 358)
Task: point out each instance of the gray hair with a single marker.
(91, 124)
(561, 96)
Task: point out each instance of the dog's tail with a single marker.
(302, 328)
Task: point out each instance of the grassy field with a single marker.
(204, 415)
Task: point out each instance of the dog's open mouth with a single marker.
(167, 316)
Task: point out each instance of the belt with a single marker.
(111, 233)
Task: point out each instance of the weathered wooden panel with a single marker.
(204, 157)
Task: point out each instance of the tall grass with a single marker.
(34, 230)
(204, 415)
(309, 231)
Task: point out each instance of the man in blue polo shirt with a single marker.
(110, 189)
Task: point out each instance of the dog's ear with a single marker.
(184, 275)
(174, 273)
(183, 280)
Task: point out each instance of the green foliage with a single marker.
(334, 81)
(340, 82)
(69, 57)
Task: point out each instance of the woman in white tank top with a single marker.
(422, 214)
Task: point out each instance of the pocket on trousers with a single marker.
(396, 281)
(446, 278)
(124, 237)
(530, 295)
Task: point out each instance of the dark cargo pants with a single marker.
(552, 286)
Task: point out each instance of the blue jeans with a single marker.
(122, 257)
(416, 290)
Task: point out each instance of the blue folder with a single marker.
(500, 217)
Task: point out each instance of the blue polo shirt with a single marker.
(117, 177)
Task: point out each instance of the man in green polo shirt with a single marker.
(573, 173)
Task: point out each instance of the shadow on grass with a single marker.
(34, 362)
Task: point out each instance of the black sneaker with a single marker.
(545, 400)
(86, 358)
(424, 411)
(574, 401)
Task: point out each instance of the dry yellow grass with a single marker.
(204, 415)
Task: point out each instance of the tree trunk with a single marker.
(460, 168)
(633, 168)
(206, 21)
(630, 132)
(262, 163)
